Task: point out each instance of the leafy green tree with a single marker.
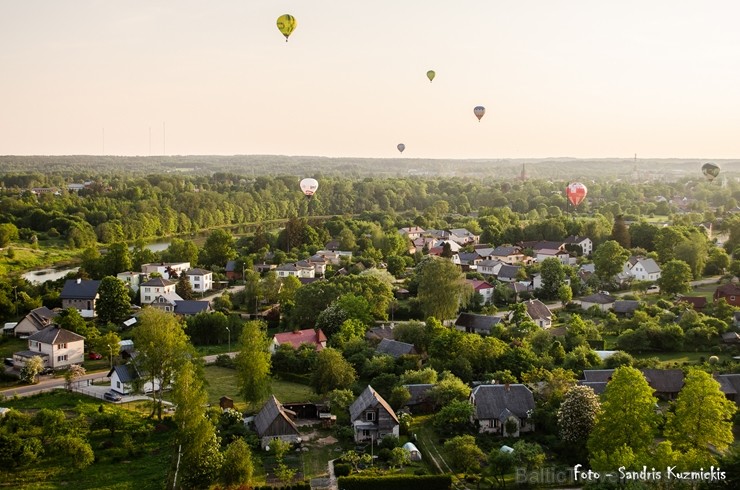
(31, 369)
(253, 363)
(423, 376)
(238, 467)
(196, 435)
(399, 458)
(693, 251)
(449, 389)
(627, 420)
(528, 455)
(703, 416)
(332, 372)
(501, 463)
(442, 288)
(218, 249)
(675, 277)
(565, 294)
(114, 303)
(620, 233)
(107, 344)
(553, 277)
(181, 251)
(72, 374)
(464, 454)
(717, 262)
(71, 319)
(183, 288)
(77, 450)
(609, 258)
(8, 233)
(577, 416)
(117, 259)
(339, 403)
(454, 417)
(163, 348)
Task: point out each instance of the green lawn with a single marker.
(27, 258)
(222, 381)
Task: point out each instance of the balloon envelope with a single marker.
(309, 186)
(286, 23)
(431, 75)
(401, 147)
(710, 171)
(479, 111)
(576, 192)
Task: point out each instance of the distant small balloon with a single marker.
(309, 186)
(401, 147)
(286, 24)
(710, 171)
(576, 192)
(431, 75)
(479, 112)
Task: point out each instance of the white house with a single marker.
(587, 246)
(298, 269)
(124, 379)
(463, 236)
(550, 253)
(154, 287)
(57, 347)
(131, 279)
(169, 270)
(489, 267)
(201, 280)
(412, 232)
(642, 269)
(483, 288)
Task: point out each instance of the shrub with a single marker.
(224, 360)
(342, 469)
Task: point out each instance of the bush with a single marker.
(342, 469)
(224, 360)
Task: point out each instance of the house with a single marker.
(187, 307)
(584, 243)
(642, 269)
(602, 300)
(483, 288)
(730, 292)
(80, 295)
(626, 307)
(468, 260)
(154, 287)
(539, 313)
(372, 418)
(507, 254)
(414, 453)
(166, 301)
(504, 409)
(729, 384)
(298, 337)
(168, 270)
(319, 263)
(131, 279)
(200, 279)
(379, 333)
(394, 348)
(473, 323)
(463, 236)
(420, 400)
(508, 273)
(536, 246)
(37, 319)
(57, 347)
(126, 380)
(411, 232)
(273, 421)
(302, 270)
(666, 382)
(550, 253)
(232, 271)
(696, 302)
(489, 267)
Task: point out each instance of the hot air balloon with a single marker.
(710, 171)
(286, 24)
(401, 147)
(431, 75)
(576, 192)
(479, 111)
(309, 186)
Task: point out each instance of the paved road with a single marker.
(47, 383)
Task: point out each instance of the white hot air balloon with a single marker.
(309, 186)
(479, 111)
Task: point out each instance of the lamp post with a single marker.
(228, 330)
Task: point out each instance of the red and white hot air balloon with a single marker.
(576, 193)
(309, 186)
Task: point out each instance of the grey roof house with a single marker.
(274, 421)
(372, 418)
(37, 319)
(80, 295)
(394, 348)
(474, 323)
(504, 409)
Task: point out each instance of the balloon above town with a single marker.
(309, 186)
(710, 171)
(401, 147)
(286, 24)
(576, 193)
(431, 75)
(479, 111)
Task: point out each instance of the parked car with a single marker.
(112, 396)
(94, 356)
(654, 289)
(47, 370)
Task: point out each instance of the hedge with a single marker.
(398, 482)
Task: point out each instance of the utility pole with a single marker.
(229, 331)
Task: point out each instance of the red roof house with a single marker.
(298, 337)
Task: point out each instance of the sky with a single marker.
(578, 78)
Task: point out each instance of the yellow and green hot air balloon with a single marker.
(286, 24)
(431, 75)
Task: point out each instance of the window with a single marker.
(365, 433)
(147, 298)
(62, 358)
(370, 416)
(62, 346)
(118, 384)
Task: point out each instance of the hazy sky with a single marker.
(583, 78)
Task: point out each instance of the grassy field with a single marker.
(25, 258)
(146, 467)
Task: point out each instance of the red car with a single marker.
(94, 356)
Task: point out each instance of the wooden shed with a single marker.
(275, 422)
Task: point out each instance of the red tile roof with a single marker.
(307, 336)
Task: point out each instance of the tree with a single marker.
(253, 363)
(454, 417)
(442, 288)
(238, 466)
(464, 454)
(609, 259)
(620, 233)
(117, 259)
(339, 403)
(72, 374)
(703, 416)
(553, 277)
(449, 389)
(8, 233)
(627, 419)
(31, 369)
(577, 416)
(114, 303)
(182, 251)
(528, 455)
(332, 372)
(218, 249)
(501, 463)
(183, 288)
(201, 459)
(163, 348)
(107, 344)
(399, 458)
(675, 277)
